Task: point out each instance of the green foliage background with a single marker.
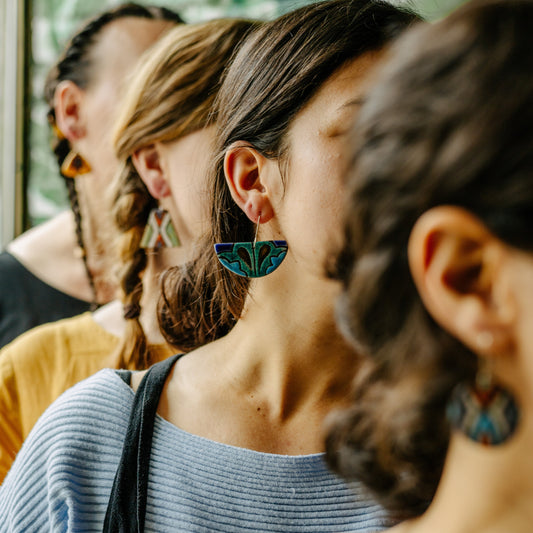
(55, 20)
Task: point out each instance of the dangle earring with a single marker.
(252, 259)
(485, 412)
(74, 165)
(159, 231)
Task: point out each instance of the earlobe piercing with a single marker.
(484, 340)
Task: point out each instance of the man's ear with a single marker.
(456, 264)
(147, 162)
(68, 101)
(245, 170)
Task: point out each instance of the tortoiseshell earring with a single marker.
(252, 259)
(74, 165)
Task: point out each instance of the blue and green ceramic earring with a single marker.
(252, 259)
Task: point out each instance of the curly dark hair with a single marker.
(76, 64)
(449, 122)
(276, 72)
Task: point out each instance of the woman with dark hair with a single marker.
(61, 268)
(437, 269)
(226, 437)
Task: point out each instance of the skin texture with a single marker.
(269, 383)
(175, 173)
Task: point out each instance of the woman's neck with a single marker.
(271, 381)
(483, 489)
(49, 251)
(286, 344)
(96, 238)
(157, 262)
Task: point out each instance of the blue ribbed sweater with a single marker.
(63, 474)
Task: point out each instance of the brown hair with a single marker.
(275, 74)
(448, 123)
(171, 96)
(76, 64)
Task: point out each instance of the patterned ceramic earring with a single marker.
(159, 231)
(485, 412)
(252, 259)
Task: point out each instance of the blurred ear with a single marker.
(458, 268)
(147, 162)
(68, 100)
(245, 170)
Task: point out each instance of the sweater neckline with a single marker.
(216, 446)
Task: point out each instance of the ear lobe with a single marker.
(147, 162)
(244, 168)
(68, 101)
(456, 266)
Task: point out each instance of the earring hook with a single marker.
(256, 230)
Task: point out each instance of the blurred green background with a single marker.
(53, 21)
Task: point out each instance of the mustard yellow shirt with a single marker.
(37, 367)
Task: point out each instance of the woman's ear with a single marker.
(147, 162)
(245, 169)
(458, 268)
(68, 100)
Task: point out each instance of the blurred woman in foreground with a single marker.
(437, 269)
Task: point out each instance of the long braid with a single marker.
(75, 207)
(132, 206)
(75, 65)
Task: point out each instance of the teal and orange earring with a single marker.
(159, 231)
(485, 412)
(252, 259)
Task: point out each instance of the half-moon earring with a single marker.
(252, 259)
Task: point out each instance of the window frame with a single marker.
(14, 106)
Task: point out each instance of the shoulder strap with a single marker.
(127, 503)
(125, 376)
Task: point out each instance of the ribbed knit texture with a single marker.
(63, 475)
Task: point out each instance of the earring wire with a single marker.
(256, 231)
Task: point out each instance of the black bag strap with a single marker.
(124, 375)
(126, 510)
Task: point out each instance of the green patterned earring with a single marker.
(159, 231)
(252, 259)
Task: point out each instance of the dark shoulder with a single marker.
(11, 267)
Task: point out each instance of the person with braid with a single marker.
(437, 268)
(61, 268)
(225, 437)
(162, 141)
